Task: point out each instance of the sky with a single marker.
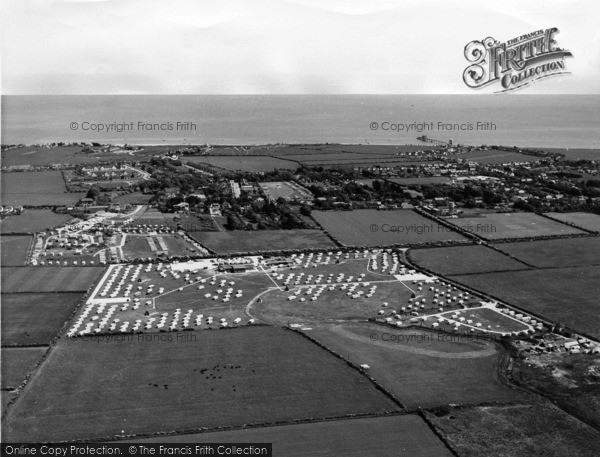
(277, 46)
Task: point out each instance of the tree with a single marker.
(93, 193)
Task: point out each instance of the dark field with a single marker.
(227, 242)
(134, 198)
(212, 379)
(419, 367)
(248, 163)
(567, 295)
(571, 252)
(517, 431)
(17, 362)
(48, 279)
(33, 220)
(36, 188)
(405, 435)
(494, 226)
(35, 318)
(377, 228)
(14, 250)
(463, 260)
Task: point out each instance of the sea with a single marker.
(536, 121)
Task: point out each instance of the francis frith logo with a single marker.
(515, 63)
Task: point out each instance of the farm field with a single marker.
(33, 319)
(421, 181)
(494, 226)
(355, 228)
(14, 250)
(48, 279)
(578, 154)
(229, 242)
(252, 164)
(33, 220)
(37, 188)
(419, 367)
(490, 157)
(144, 385)
(36, 156)
(404, 435)
(588, 221)
(540, 429)
(566, 295)
(571, 252)
(463, 260)
(286, 190)
(17, 362)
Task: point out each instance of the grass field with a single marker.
(378, 228)
(38, 188)
(421, 181)
(494, 226)
(33, 220)
(61, 155)
(463, 259)
(14, 250)
(137, 246)
(228, 242)
(204, 380)
(588, 221)
(35, 318)
(48, 279)
(490, 157)
(17, 362)
(285, 190)
(567, 295)
(405, 435)
(419, 367)
(572, 252)
(248, 163)
(540, 429)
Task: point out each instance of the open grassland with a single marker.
(588, 221)
(566, 295)
(463, 260)
(229, 242)
(48, 279)
(570, 380)
(14, 250)
(491, 156)
(405, 435)
(419, 367)
(38, 188)
(29, 319)
(251, 164)
(192, 381)
(494, 226)
(33, 220)
(17, 363)
(540, 429)
(571, 252)
(37, 156)
(378, 228)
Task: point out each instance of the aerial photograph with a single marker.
(300, 228)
